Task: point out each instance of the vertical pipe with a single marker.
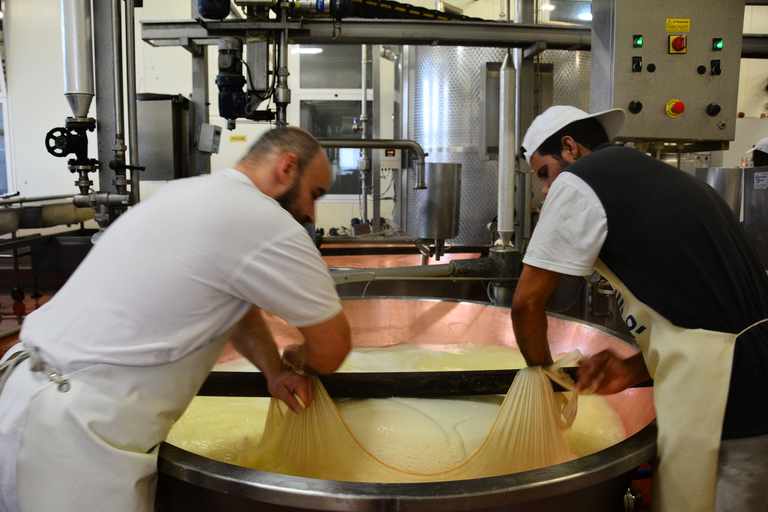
(118, 164)
(522, 179)
(77, 44)
(282, 92)
(133, 132)
(117, 70)
(376, 128)
(363, 162)
(507, 133)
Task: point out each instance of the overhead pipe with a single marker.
(410, 145)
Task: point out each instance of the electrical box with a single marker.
(390, 159)
(672, 66)
(208, 138)
(163, 136)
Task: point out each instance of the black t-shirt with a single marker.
(679, 248)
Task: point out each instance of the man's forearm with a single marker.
(253, 339)
(531, 336)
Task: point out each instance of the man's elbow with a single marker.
(328, 348)
(521, 309)
(336, 355)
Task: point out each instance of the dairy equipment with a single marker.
(439, 204)
(727, 182)
(756, 210)
(596, 483)
(745, 189)
(673, 67)
(79, 79)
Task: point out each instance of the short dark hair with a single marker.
(285, 139)
(759, 158)
(587, 132)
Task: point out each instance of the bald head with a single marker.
(284, 139)
(289, 165)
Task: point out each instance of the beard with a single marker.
(288, 201)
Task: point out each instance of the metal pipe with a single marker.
(363, 164)
(364, 87)
(133, 131)
(502, 264)
(19, 200)
(522, 181)
(282, 92)
(117, 62)
(507, 157)
(372, 274)
(370, 239)
(234, 11)
(77, 44)
(410, 145)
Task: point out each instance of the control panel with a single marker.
(390, 159)
(672, 66)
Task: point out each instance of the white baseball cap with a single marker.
(554, 118)
(762, 145)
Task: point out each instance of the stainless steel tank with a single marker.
(727, 181)
(439, 203)
(595, 483)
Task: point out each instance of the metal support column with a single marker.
(104, 64)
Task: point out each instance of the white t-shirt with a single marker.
(179, 269)
(571, 229)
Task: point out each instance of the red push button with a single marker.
(678, 44)
(675, 108)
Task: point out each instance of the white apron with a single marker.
(691, 369)
(94, 447)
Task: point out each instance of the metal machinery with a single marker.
(595, 483)
(78, 37)
(675, 71)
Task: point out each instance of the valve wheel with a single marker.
(57, 142)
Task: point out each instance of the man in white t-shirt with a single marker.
(104, 369)
(690, 288)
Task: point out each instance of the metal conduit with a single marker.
(385, 144)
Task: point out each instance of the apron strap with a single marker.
(753, 325)
(36, 364)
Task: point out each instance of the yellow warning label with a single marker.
(678, 25)
(237, 138)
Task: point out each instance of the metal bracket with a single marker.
(535, 49)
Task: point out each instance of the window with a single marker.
(330, 105)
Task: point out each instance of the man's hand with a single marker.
(283, 385)
(606, 374)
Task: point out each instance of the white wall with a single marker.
(36, 102)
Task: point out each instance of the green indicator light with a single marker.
(637, 41)
(717, 44)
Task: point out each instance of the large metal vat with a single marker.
(596, 483)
